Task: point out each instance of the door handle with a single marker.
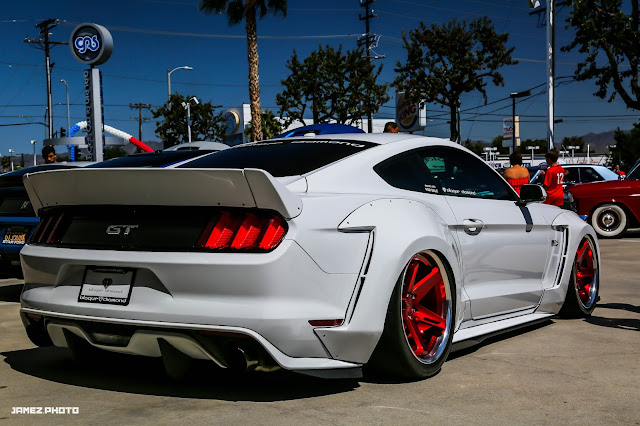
(472, 226)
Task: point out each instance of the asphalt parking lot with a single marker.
(560, 372)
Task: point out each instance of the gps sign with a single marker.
(91, 44)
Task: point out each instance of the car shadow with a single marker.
(142, 375)
(620, 306)
(632, 324)
(621, 323)
(462, 349)
(498, 338)
(10, 293)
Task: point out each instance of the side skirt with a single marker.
(466, 337)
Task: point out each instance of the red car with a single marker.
(611, 206)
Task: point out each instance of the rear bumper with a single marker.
(198, 341)
(268, 296)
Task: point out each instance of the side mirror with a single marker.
(531, 194)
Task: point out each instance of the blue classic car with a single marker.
(17, 218)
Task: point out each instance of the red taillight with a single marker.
(243, 231)
(48, 230)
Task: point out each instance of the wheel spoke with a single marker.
(421, 288)
(412, 272)
(425, 306)
(431, 319)
(585, 273)
(582, 251)
(415, 335)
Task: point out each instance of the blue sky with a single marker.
(152, 36)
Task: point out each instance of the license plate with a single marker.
(107, 285)
(14, 237)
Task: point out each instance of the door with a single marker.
(504, 247)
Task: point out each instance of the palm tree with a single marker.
(236, 11)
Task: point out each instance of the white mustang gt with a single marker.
(320, 254)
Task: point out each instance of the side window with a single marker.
(587, 174)
(572, 175)
(407, 171)
(462, 175)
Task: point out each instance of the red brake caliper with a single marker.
(423, 305)
(585, 271)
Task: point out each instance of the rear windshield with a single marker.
(281, 158)
(15, 202)
(14, 178)
(150, 159)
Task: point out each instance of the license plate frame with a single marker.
(11, 234)
(107, 285)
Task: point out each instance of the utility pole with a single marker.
(550, 15)
(45, 44)
(369, 41)
(140, 107)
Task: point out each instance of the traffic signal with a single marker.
(63, 132)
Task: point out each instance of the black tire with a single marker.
(609, 220)
(397, 353)
(582, 294)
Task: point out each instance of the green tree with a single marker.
(627, 150)
(206, 123)
(6, 163)
(443, 62)
(114, 152)
(610, 40)
(271, 126)
(476, 147)
(247, 10)
(333, 85)
(540, 144)
(574, 141)
(497, 143)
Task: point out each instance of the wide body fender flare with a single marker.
(554, 297)
(399, 228)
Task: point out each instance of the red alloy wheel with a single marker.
(426, 307)
(585, 270)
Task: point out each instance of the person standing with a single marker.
(391, 127)
(49, 154)
(516, 175)
(554, 180)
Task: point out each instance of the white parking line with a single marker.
(9, 303)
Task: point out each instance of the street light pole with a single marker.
(187, 106)
(490, 150)
(68, 116)
(573, 148)
(169, 77)
(34, 151)
(532, 148)
(11, 158)
(513, 97)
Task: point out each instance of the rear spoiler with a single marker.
(162, 187)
